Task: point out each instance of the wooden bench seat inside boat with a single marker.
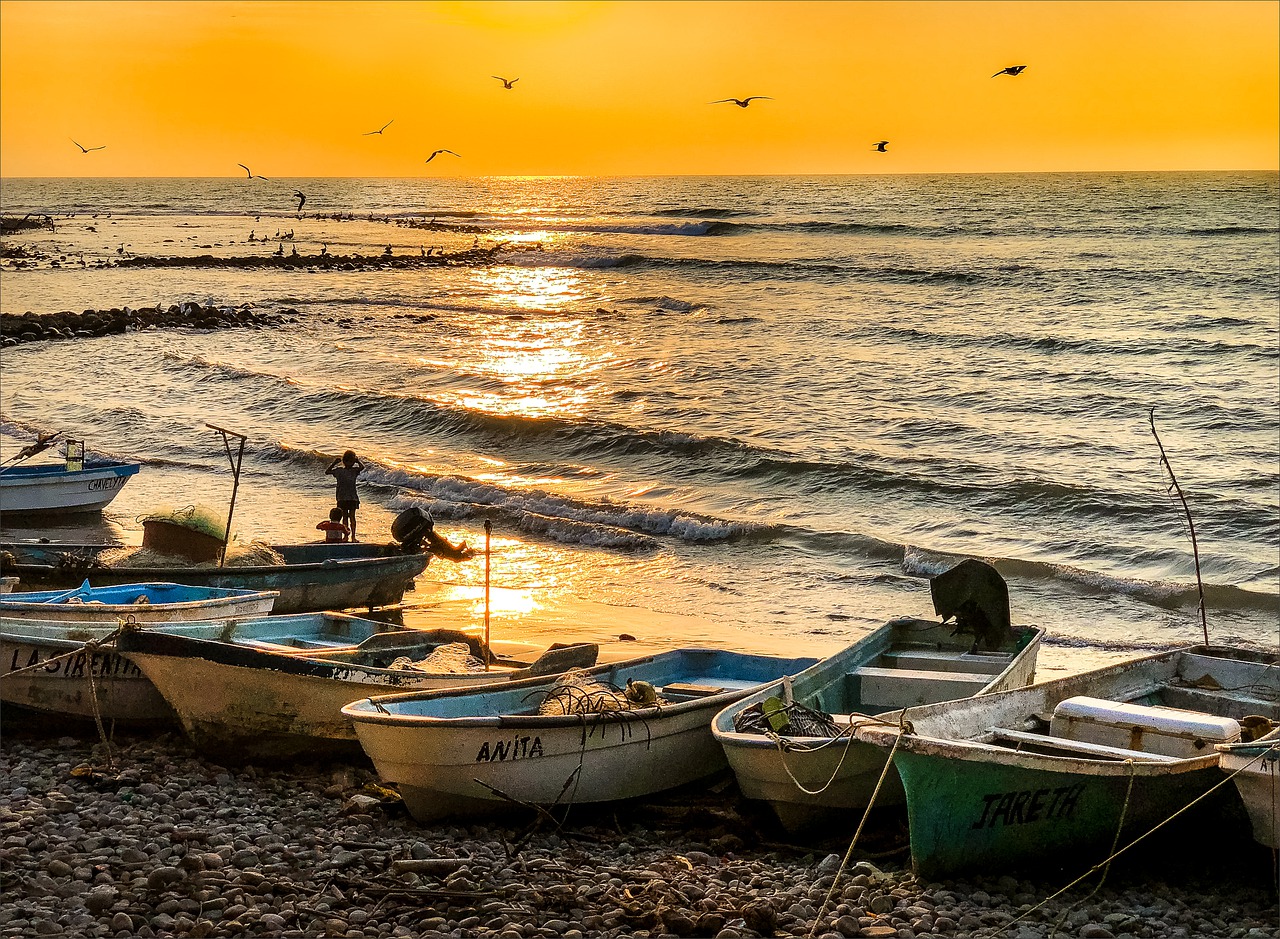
(1042, 742)
(295, 646)
(883, 689)
(687, 691)
(930, 660)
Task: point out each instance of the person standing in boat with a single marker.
(345, 470)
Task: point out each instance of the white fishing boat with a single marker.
(152, 602)
(792, 743)
(56, 488)
(1255, 769)
(59, 669)
(811, 768)
(1057, 774)
(242, 696)
(480, 751)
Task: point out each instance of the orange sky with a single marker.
(622, 88)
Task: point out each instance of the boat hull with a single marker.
(487, 750)
(240, 704)
(992, 784)
(810, 782)
(55, 490)
(1255, 769)
(314, 577)
(84, 684)
(157, 609)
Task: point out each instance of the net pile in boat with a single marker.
(788, 720)
(239, 554)
(576, 692)
(453, 658)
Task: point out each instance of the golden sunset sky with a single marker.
(623, 88)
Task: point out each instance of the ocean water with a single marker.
(771, 404)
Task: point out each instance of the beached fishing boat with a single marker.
(88, 678)
(313, 577)
(473, 751)
(141, 602)
(810, 767)
(55, 488)
(242, 698)
(1054, 774)
(1255, 769)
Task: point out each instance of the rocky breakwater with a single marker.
(165, 844)
(35, 327)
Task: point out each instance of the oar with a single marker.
(63, 597)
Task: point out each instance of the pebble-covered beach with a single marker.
(158, 842)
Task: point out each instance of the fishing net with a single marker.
(239, 554)
(787, 720)
(195, 517)
(576, 692)
(454, 658)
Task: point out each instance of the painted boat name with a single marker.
(111, 482)
(1028, 805)
(517, 748)
(101, 665)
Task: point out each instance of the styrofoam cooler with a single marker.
(1150, 729)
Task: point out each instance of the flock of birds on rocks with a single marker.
(881, 146)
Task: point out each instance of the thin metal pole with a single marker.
(488, 530)
(235, 481)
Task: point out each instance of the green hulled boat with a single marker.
(1045, 776)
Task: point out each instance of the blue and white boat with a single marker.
(151, 602)
(479, 751)
(54, 668)
(57, 488)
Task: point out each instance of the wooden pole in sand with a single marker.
(488, 530)
(235, 481)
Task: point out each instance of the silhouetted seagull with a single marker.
(302, 200)
(742, 102)
(380, 129)
(505, 82)
(881, 146)
(438, 152)
(1011, 70)
(87, 149)
(249, 171)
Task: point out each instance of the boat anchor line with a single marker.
(88, 649)
(1105, 862)
(904, 727)
(784, 746)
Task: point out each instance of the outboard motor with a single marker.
(977, 596)
(411, 528)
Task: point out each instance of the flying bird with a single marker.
(302, 199)
(380, 129)
(249, 171)
(1011, 70)
(87, 149)
(505, 83)
(742, 102)
(881, 146)
(436, 153)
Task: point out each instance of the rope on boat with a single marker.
(1230, 778)
(848, 733)
(903, 729)
(1106, 867)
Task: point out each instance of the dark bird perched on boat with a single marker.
(1011, 70)
(436, 153)
(742, 102)
(302, 200)
(84, 149)
(881, 146)
(506, 83)
(380, 129)
(249, 171)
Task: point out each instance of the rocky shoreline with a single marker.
(157, 842)
(36, 327)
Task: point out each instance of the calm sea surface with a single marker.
(776, 403)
